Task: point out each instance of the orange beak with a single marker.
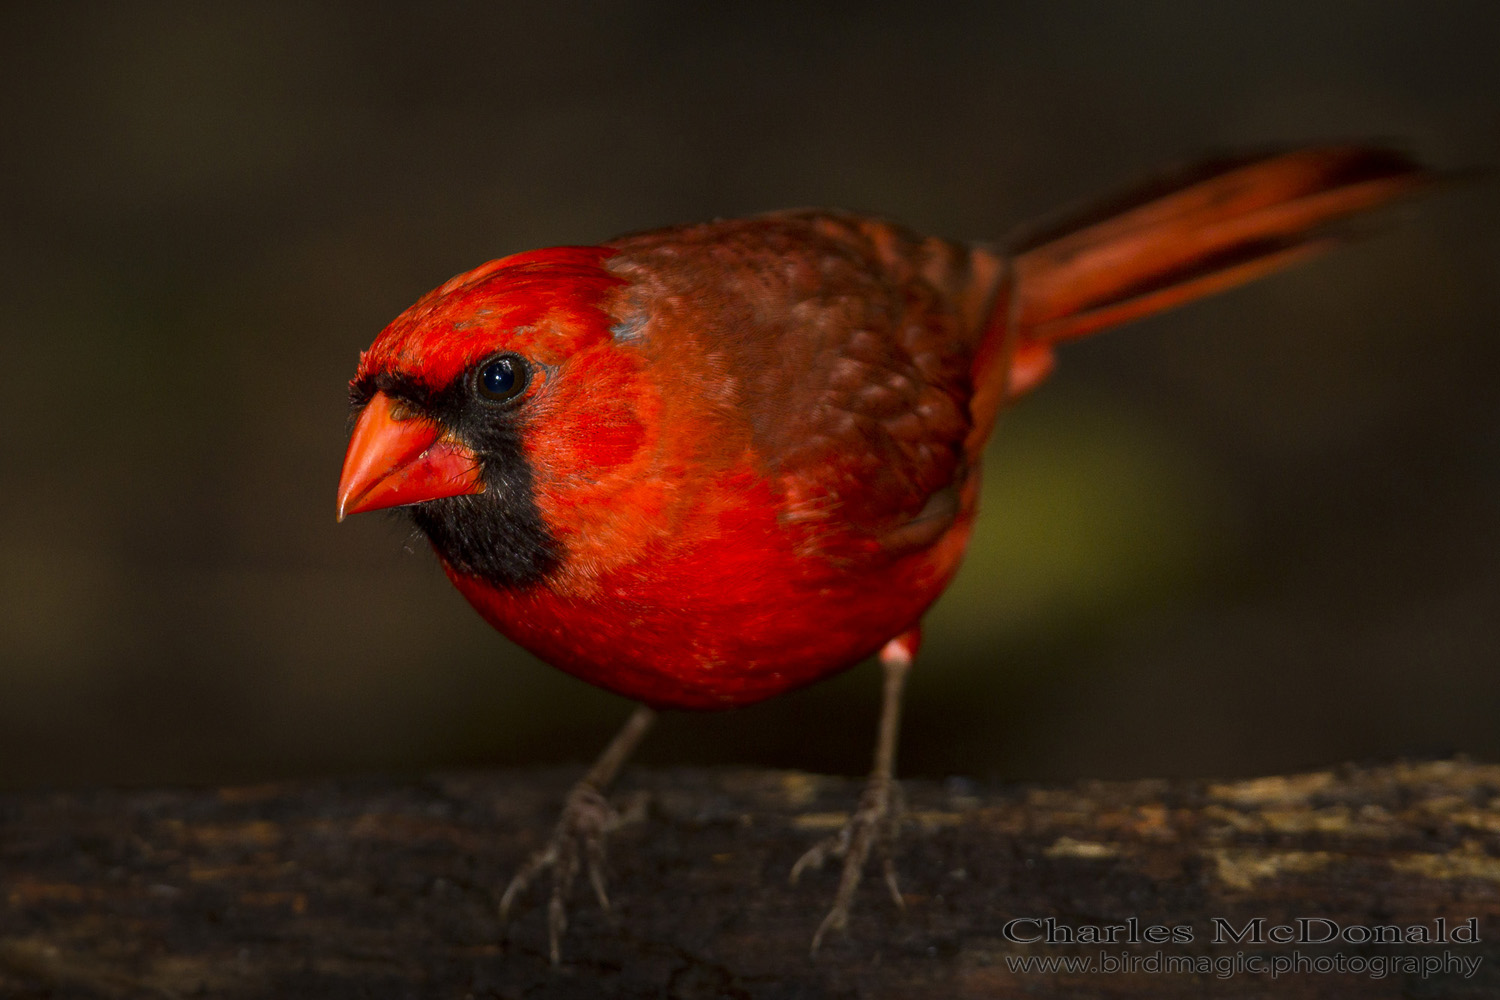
(394, 461)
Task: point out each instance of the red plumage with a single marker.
(737, 439)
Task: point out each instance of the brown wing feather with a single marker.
(849, 346)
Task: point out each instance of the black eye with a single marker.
(502, 379)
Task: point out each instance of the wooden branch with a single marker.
(387, 888)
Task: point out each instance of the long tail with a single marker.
(1220, 224)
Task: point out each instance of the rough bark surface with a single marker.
(376, 888)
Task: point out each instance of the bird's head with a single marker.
(485, 407)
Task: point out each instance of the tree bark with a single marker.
(387, 888)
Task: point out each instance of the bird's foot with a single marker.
(874, 825)
(577, 842)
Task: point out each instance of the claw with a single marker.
(586, 820)
(875, 823)
(890, 879)
(835, 846)
(521, 880)
(837, 920)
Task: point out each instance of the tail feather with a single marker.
(1224, 224)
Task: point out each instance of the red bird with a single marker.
(705, 465)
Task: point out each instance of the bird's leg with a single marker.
(587, 818)
(877, 821)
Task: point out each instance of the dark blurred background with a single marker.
(1257, 534)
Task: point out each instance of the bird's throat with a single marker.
(498, 535)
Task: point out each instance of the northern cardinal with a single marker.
(704, 465)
